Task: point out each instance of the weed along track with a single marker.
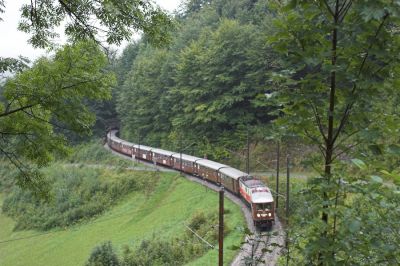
(263, 244)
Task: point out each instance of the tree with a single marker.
(340, 64)
(141, 100)
(105, 22)
(115, 20)
(51, 93)
(47, 96)
(218, 80)
(103, 255)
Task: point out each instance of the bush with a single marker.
(154, 252)
(175, 251)
(77, 194)
(103, 255)
(95, 153)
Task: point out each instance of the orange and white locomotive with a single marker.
(259, 198)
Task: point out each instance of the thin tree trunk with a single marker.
(330, 134)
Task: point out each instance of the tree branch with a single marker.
(22, 108)
(18, 109)
(343, 121)
(345, 150)
(14, 160)
(89, 28)
(329, 8)
(344, 9)
(45, 121)
(318, 120)
(345, 139)
(372, 42)
(349, 106)
(319, 144)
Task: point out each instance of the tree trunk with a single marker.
(330, 136)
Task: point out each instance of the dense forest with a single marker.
(208, 87)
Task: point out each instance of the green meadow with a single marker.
(160, 211)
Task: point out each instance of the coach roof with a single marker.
(186, 157)
(162, 152)
(232, 172)
(211, 164)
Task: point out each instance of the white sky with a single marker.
(14, 43)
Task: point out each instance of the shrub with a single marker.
(155, 252)
(103, 255)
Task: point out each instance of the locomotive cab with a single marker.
(260, 199)
(263, 214)
(264, 210)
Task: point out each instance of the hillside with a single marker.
(158, 211)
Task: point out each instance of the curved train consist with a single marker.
(255, 193)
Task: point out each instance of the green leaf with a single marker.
(234, 247)
(375, 149)
(376, 179)
(394, 149)
(359, 163)
(354, 226)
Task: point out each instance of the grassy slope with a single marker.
(135, 218)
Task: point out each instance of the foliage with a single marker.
(356, 68)
(9, 64)
(207, 88)
(77, 194)
(103, 255)
(7, 172)
(123, 64)
(139, 100)
(114, 20)
(47, 96)
(214, 87)
(339, 68)
(155, 252)
(58, 91)
(365, 227)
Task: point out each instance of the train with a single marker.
(253, 191)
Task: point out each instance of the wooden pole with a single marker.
(138, 146)
(287, 206)
(221, 228)
(248, 153)
(180, 153)
(278, 155)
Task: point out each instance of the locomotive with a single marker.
(252, 190)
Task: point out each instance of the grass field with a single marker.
(138, 216)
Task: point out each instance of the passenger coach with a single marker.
(257, 195)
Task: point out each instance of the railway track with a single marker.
(253, 251)
(261, 247)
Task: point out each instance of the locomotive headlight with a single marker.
(269, 214)
(258, 215)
